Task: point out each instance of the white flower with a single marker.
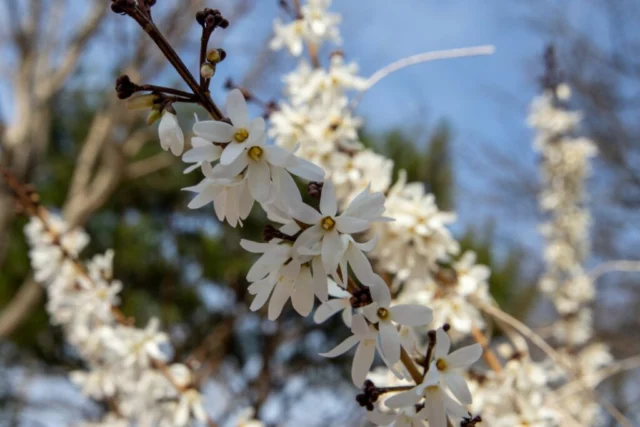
(365, 336)
(472, 278)
(386, 317)
(437, 403)
(289, 35)
(241, 133)
(190, 402)
(323, 237)
(141, 346)
(342, 302)
(448, 366)
(171, 136)
(97, 383)
(418, 238)
(259, 163)
(352, 255)
(279, 275)
(202, 151)
(230, 196)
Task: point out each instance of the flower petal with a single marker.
(380, 291)
(464, 357)
(213, 130)
(331, 250)
(205, 197)
(435, 409)
(458, 387)
(259, 178)
(255, 247)
(350, 225)
(302, 298)
(389, 341)
(256, 132)
(262, 293)
(362, 361)
(231, 152)
(443, 344)
(204, 153)
(278, 156)
(359, 263)
(237, 109)
(320, 284)
(307, 170)
(400, 400)
(359, 325)
(328, 309)
(305, 213)
(280, 296)
(328, 202)
(341, 348)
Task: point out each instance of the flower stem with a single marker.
(487, 354)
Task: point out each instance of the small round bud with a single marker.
(125, 87)
(446, 327)
(213, 56)
(223, 23)
(153, 116)
(200, 17)
(207, 70)
(210, 21)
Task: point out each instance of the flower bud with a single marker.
(141, 102)
(153, 116)
(216, 55)
(207, 70)
(125, 87)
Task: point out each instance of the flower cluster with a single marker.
(519, 395)
(127, 366)
(564, 167)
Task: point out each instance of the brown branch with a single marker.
(167, 50)
(487, 354)
(149, 165)
(19, 308)
(411, 366)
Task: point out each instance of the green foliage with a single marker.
(505, 283)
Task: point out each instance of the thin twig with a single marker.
(612, 266)
(487, 354)
(418, 59)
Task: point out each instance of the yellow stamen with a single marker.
(441, 364)
(241, 135)
(255, 153)
(328, 223)
(382, 313)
